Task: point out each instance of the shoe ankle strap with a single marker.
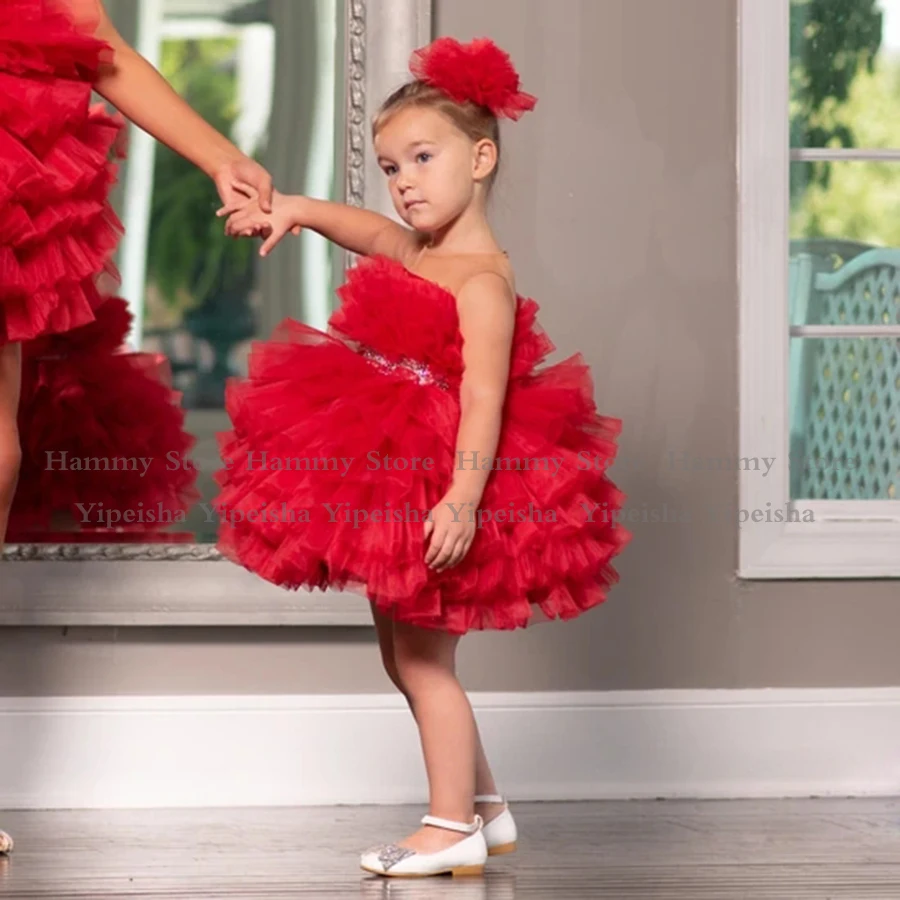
(489, 798)
(464, 827)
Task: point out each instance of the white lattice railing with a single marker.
(845, 378)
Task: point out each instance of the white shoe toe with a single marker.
(383, 858)
(466, 857)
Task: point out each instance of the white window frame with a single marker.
(849, 538)
(153, 28)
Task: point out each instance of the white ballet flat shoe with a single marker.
(500, 834)
(6, 843)
(466, 857)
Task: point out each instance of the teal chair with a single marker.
(845, 392)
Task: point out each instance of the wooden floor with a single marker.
(568, 851)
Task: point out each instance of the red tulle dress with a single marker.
(342, 442)
(57, 231)
(104, 448)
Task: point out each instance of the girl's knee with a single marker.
(417, 672)
(419, 650)
(393, 672)
(385, 630)
(389, 662)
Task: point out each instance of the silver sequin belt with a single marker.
(405, 366)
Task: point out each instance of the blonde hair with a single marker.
(474, 121)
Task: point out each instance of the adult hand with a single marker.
(241, 180)
(250, 220)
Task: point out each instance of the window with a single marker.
(819, 274)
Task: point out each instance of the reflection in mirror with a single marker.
(119, 418)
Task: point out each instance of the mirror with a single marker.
(294, 83)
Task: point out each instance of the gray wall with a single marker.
(617, 205)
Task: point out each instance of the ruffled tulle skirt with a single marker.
(332, 466)
(57, 230)
(102, 433)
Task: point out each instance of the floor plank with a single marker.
(783, 850)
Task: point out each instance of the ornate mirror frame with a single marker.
(190, 584)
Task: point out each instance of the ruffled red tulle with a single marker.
(102, 432)
(332, 464)
(57, 230)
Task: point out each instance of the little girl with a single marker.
(415, 452)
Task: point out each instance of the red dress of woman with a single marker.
(57, 229)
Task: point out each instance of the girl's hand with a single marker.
(450, 531)
(250, 219)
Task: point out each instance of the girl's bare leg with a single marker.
(484, 778)
(426, 664)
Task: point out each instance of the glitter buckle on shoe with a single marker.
(390, 854)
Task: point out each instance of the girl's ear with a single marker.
(484, 159)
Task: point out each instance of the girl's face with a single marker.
(431, 166)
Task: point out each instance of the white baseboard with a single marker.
(99, 752)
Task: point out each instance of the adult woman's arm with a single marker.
(141, 94)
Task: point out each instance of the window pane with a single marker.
(841, 212)
(845, 72)
(845, 418)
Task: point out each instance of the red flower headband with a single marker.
(478, 71)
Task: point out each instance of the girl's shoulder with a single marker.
(454, 271)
